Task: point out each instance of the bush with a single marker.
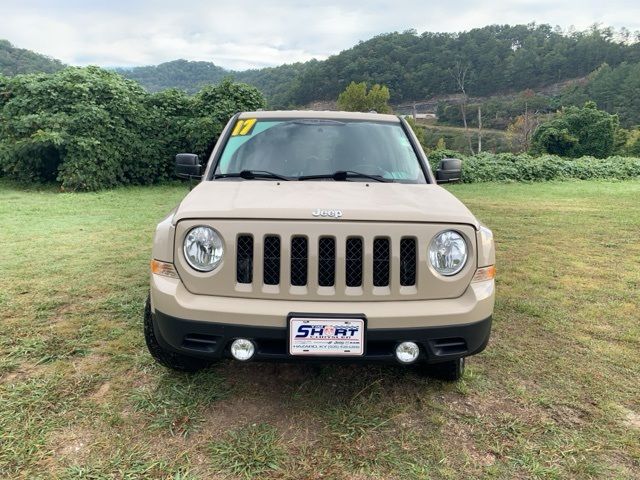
(80, 126)
(576, 132)
(88, 128)
(511, 167)
(524, 168)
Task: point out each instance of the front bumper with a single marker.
(212, 340)
(204, 326)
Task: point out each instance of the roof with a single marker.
(378, 117)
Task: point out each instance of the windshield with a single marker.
(304, 147)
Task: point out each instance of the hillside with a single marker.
(14, 61)
(496, 59)
(499, 63)
(182, 74)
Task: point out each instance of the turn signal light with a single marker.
(484, 273)
(163, 268)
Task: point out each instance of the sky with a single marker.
(245, 34)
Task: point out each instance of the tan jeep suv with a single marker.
(319, 236)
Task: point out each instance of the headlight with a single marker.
(448, 252)
(203, 248)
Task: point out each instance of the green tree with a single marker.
(554, 137)
(632, 146)
(171, 111)
(575, 132)
(378, 98)
(356, 98)
(89, 128)
(212, 108)
(613, 89)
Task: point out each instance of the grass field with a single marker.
(555, 395)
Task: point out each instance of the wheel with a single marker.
(175, 361)
(449, 371)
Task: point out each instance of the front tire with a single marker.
(172, 360)
(450, 371)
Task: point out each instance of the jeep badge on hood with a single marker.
(327, 213)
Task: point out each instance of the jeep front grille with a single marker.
(353, 262)
(408, 257)
(327, 262)
(244, 259)
(381, 262)
(326, 268)
(271, 257)
(299, 261)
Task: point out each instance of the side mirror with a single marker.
(449, 170)
(188, 166)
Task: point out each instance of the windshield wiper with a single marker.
(252, 175)
(343, 175)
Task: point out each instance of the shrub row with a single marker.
(507, 167)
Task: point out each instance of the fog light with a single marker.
(242, 349)
(407, 352)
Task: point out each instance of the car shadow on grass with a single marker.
(264, 389)
(357, 416)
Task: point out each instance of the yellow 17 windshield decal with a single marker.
(243, 127)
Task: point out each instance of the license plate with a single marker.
(326, 336)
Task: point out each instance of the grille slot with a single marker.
(407, 261)
(353, 262)
(244, 259)
(381, 262)
(299, 261)
(271, 260)
(327, 262)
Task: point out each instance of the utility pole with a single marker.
(479, 129)
(527, 126)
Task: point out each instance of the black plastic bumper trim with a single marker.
(212, 340)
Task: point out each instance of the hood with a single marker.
(357, 201)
